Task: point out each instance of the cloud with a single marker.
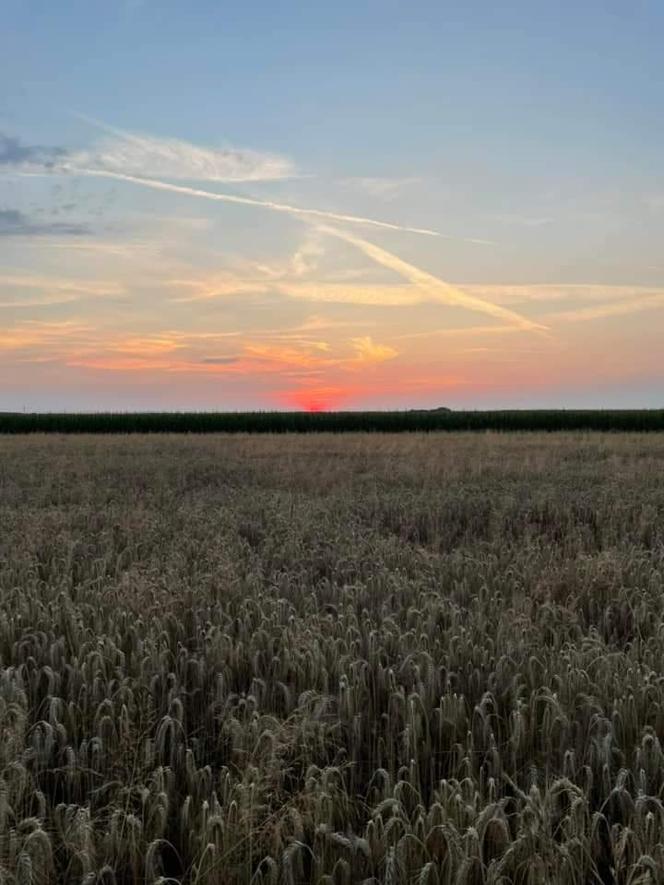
(79, 287)
(149, 344)
(14, 153)
(615, 309)
(40, 301)
(303, 263)
(33, 333)
(305, 259)
(95, 247)
(51, 291)
(146, 161)
(119, 363)
(369, 352)
(265, 354)
(590, 301)
(556, 292)
(145, 155)
(431, 286)
(317, 354)
(271, 281)
(264, 360)
(291, 356)
(385, 295)
(217, 286)
(220, 360)
(463, 331)
(14, 223)
(292, 279)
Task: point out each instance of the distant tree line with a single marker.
(636, 420)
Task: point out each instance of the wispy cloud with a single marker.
(306, 258)
(464, 332)
(55, 337)
(377, 295)
(587, 301)
(13, 152)
(263, 280)
(437, 289)
(81, 287)
(653, 301)
(263, 354)
(40, 291)
(149, 345)
(287, 281)
(306, 357)
(97, 247)
(15, 223)
(151, 157)
(220, 360)
(32, 301)
(252, 278)
(536, 293)
(368, 351)
(297, 279)
(222, 285)
(146, 161)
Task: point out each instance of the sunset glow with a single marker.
(356, 232)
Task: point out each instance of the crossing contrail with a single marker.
(263, 204)
(431, 286)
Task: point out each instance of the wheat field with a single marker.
(332, 659)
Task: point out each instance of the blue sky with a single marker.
(529, 134)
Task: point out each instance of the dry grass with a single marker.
(329, 659)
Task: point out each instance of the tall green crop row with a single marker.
(638, 420)
(332, 659)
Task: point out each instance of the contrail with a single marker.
(436, 288)
(264, 204)
(614, 309)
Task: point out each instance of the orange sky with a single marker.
(320, 317)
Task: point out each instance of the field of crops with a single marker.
(332, 659)
(623, 420)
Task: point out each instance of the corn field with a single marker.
(622, 420)
(329, 659)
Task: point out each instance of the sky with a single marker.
(239, 206)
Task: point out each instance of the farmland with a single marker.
(423, 420)
(334, 659)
